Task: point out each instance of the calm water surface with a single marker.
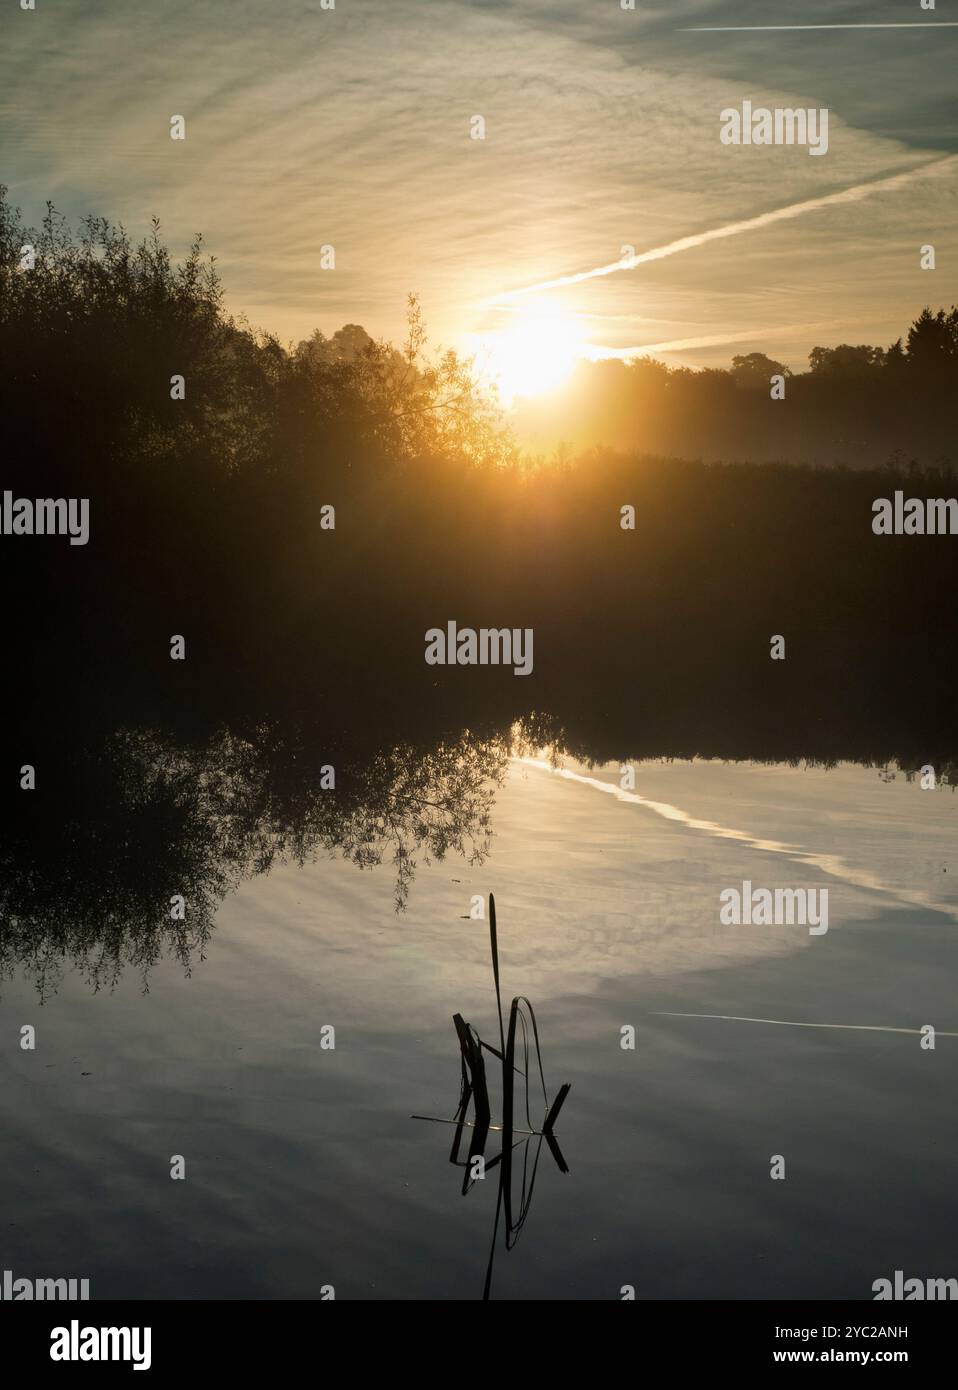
(304, 1168)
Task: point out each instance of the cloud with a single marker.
(351, 127)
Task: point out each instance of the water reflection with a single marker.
(474, 1092)
(134, 835)
(126, 858)
(832, 864)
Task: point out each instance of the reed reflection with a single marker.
(474, 1093)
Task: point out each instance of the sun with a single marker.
(529, 358)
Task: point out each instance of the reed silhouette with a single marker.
(474, 1092)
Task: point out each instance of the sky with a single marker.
(351, 127)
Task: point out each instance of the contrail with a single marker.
(764, 219)
(766, 28)
(791, 1023)
(597, 352)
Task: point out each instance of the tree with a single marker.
(933, 338)
(845, 359)
(754, 370)
(895, 358)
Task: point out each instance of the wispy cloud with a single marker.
(307, 127)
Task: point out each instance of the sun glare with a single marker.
(529, 358)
